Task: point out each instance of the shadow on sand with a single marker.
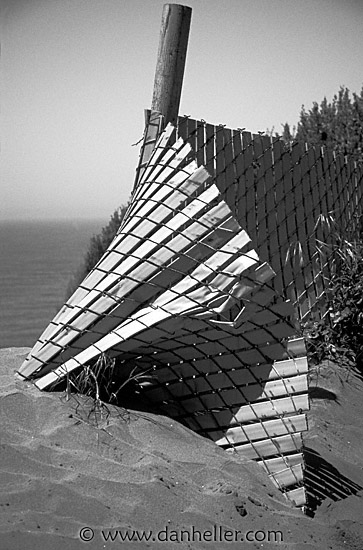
(323, 480)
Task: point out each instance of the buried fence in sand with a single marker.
(223, 251)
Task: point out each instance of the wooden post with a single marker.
(173, 43)
(174, 33)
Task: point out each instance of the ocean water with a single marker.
(37, 260)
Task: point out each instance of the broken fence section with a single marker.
(295, 203)
(182, 294)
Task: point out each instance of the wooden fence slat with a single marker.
(301, 263)
(290, 367)
(287, 386)
(261, 196)
(333, 181)
(281, 221)
(320, 211)
(268, 409)
(192, 134)
(296, 347)
(340, 203)
(275, 465)
(230, 172)
(328, 181)
(270, 447)
(297, 496)
(319, 160)
(308, 204)
(289, 476)
(201, 144)
(240, 210)
(359, 193)
(355, 211)
(153, 123)
(220, 160)
(357, 204)
(262, 430)
(250, 192)
(273, 249)
(210, 149)
(346, 214)
(309, 228)
(291, 235)
(350, 187)
(183, 127)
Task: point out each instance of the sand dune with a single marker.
(66, 466)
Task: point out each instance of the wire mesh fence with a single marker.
(182, 303)
(193, 298)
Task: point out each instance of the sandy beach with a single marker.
(71, 471)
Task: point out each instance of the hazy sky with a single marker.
(78, 74)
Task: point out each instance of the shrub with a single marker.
(340, 334)
(96, 248)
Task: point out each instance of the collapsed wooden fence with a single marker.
(181, 293)
(186, 293)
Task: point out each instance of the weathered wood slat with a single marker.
(262, 205)
(298, 496)
(182, 127)
(343, 218)
(210, 150)
(274, 255)
(240, 210)
(288, 477)
(192, 133)
(269, 447)
(301, 262)
(220, 160)
(230, 170)
(333, 180)
(153, 123)
(290, 367)
(353, 214)
(328, 181)
(263, 430)
(286, 386)
(308, 208)
(359, 195)
(348, 186)
(250, 191)
(281, 218)
(272, 408)
(200, 149)
(275, 465)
